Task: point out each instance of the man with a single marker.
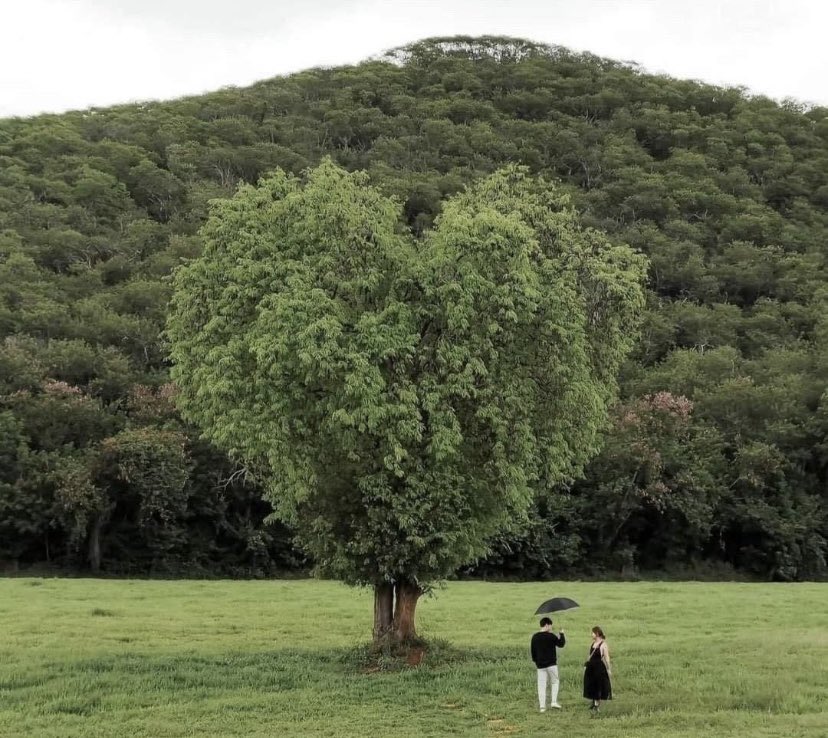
(544, 653)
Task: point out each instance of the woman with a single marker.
(597, 685)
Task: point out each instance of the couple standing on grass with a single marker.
(597, 670)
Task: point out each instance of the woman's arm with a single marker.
(605, 657)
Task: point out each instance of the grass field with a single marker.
(157, 659)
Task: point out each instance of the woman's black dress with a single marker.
(597, 685)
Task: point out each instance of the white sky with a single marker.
(57, 55)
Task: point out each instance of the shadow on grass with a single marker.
(371, 658)
(350, 675)
(287, 677)
(267, 670)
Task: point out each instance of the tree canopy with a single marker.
(402, 400)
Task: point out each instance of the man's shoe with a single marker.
(543, 709)
(556, 706)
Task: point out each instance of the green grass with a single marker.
(162, 659)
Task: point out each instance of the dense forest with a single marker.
(716, 457)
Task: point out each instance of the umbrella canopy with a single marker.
(556, 604)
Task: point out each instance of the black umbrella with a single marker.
(556, 604)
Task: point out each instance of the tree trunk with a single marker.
(408, 593)
(95, 545)
(383, 609)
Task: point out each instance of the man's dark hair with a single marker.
(546, 621)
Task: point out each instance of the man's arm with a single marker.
(533, 650)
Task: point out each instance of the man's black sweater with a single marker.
(543, 648)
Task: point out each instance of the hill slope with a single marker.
(718, 453)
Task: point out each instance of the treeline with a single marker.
(716, 456)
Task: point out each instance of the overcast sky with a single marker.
(57, 55)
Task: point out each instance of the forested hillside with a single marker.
(717, 454)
